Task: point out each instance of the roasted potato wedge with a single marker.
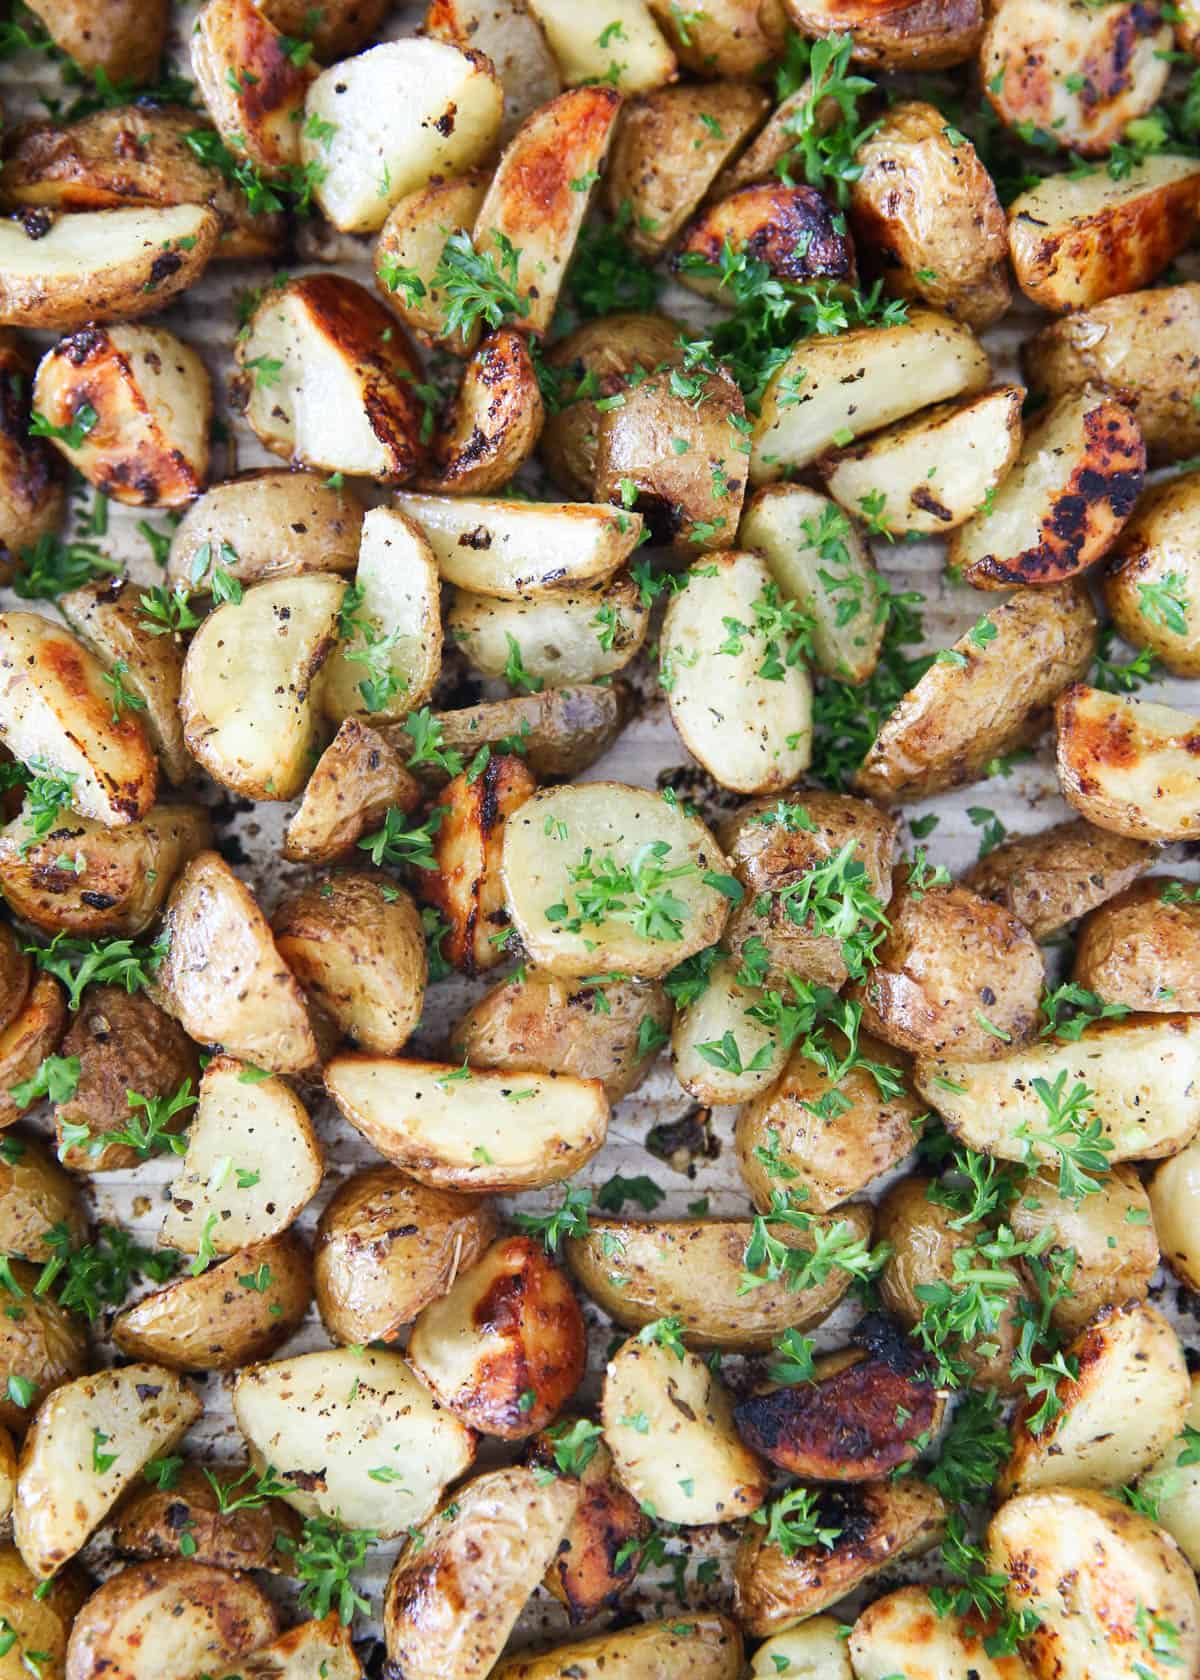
(738, 690)
(729, 38)
(153, 1520)
(100, 265)
(632, 58)
(16, 975)
(263, 526)
(341, 29)
(905, 1627)
(989, 698)
(402, 113)
(56, 709)
(857, 382)
(1173, 1190)
(344, 396)
(387, 1247)
(720, 1052)
(1063, 505)
(792, 229)
(325, 1420)
(878, 1523)
(571, 637)
(1052, 877)
(261, 1128)
(925, 208)
(453, 1599)
(546, 840)
(124, 40)
(1173, 1481)
(244, 1309)
(1142, 948)
(815, 1650)
(1152, 580)
(514, 41)
(311, 1651)
(253, 81)
(1140, 1075)
(357, 778)
(41, 1619)
(1077, 239)
(688, 1462)
(32, 493)
(475, 1130)
(536, 1022)
(409, 250)
(494, 421)
(173, 1617)
(249, 689)
(39, 1351)
(396, 616)
(35, 1196)
(1106, 1241)
(559, 732)
(32, 1035)
(770, 147)
(585, 1573)
(64, 1490)
(1129, 765)
(973, 443)
(706, 1646)
(899, 34)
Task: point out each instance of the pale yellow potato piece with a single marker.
(722, 1008)
(903, 1632)
(266, 524)
(558, 636)
(400, 599)
(1174, 1192)
(705, 1647)
(615, 39)
(514, 41)
(1131, 766)
(1176, 1487)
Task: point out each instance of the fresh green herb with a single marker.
(638, 892)
(46, 794)
(666, 1333)
(162, 1472)
(102, 1462)
(165, 614)
(1073, 1131)
(824, 152)
(57, 1077)
(574, 1445)
(618, 1190)
(847, 717)
(51, 568)
(152, 1130)
(99, 1274)
(72, 435)
(123, 698)
(515, 673)
(793, 1522)
(568, 1220)
(1165, 602)
(974, 1449)
(475, 286)
(994, 830)
(79, 963)
(1115, 678)
(794, 1361)
(325, 1559)
(400, 842)
(1070, 1009)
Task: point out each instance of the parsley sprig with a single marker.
(80, 963)
(476, 286)
(325, 1558)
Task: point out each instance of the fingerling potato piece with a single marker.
(342, 27)
(877, 1524)
(1076, 240)
(545, 843)
(859, 381)
(1106, 1241)
(1128, 765)
(721, 1053)
(56, 708)
(989, 698)
(243, 1309)
(632, 56)
(312, 1651)
(398, 602)
(250, 79)
(329, 381)
(695, 1270)
(324, 1420)
(32, 493)
(573, 636)
(410, 246)
(453, 1600)
(495, 420)
(478, 1132)
(124, 39)
(41, 1619)
(738, 689)
(1142, 948)
(1095, 1570)
(62, 1491)
(973, 443)
(585, 1574)
(514, 41)
(790, 526)
(792, 229)
(559, 732)
(387, 1247)
(154, 1520)
(899, 34)
(925, 207)
(249, 690)
(706, 1647)
(39, 1351)
(905, 1627)
(535, 1022)
(1140, 1075)
(689, 1463)
(35, 1196)
(261, 1128)
(265, 525)
(358, 776)
(1052, 877)
(174, 1617)
(16, 975)
(27, 1040)
(1173, 1189)
(405, 112)
(728, 38)
(1173, 1481)
(760, 160)
(100, 265)
(1152, 580)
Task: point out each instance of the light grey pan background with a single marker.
(1025, 801)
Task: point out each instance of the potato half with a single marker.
(32, 1034)
(320, 1650)
(358, 776)
(704, 1062)
(1175, 1485)
(1108, 1237)
(1142, 948)
(40, 1614)
(44, 1348)
(342, 28)
(1052, 877)
(408, 252)
(396, 621)
(792, 229)
(514, 41)
(125, 40)
(36, 1195)
(264, 525)
(253, 82)
(905, 1628)
(571, 637)
(560, 732)
(32, 492)
(494, 422)
(706, 1647)
(594, 1565)
(638, 57)
(1173, 1190)
(1129, 765)
(154, 1522)
(173, 1617)
(1152, 580)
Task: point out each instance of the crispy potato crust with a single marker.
(1053, 877)
(153, 1521)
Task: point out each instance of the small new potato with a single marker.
(1173, 1190)
(32, 1035)
(594, 1564)
(358, 777)
(637, 57)
(749, 1054)
(409, 250)
(36, 1196)
(253, 82)
(560, 732)
(1142, 948)
(930, 1642)
(32, 493)
(395, 621)
(263, 525)
(1053, 877)
(562, 640)
(1152, 580)
(1108, 1237)
(314, 1650)
(514, 41)
(728, 38)
(1173, 1481)
(705, 1647)
(1129, 766)
(123, 38)
(814, 1650)
(341, 29)
(163, 1618)
(897, 34)
(41, 1350)
(494, 423)
(40, 1616)
(154, 1520)
(793, 230)
(16, 975)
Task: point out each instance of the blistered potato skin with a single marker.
(563, 731)
(585, 1574)
(896, 34)
(1157, 549)
(124, 38)
(47, 1346)
(33, 1035)
(278, 524)
(166, 1617)
(1052, 877)
(251, 83)
(337, 29)
(728, 38)
(791, 229)
(35, 1196)
(495, 423)
(1143, 951)
(153, 1521)
(32, 494)
(358, 776)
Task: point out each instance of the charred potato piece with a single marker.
(904, 1626)
(793, 230)
(170, 1617)
(340, 29)
(991, 698)
(39, 1351)
(124, 38)
(706, 1646)
(32, 497)
(33, 1035)
(396, 617)
(253, 82)
(153, 1521)
(265, 525)
(36, 1195)
(1152, 581)
(750, 1053)
(1051, 878)
(728, 38)
(585, 1574)
(1142, 948)
(514, 41)
(1108, 1237)
(357, 778)
(323, 1649)
(1129, 765)
(1173, 1190)
(926, 209)
(409, 251)
(898, 34)
(494, 422)
(556, 635)
(387, 1247)
(16, 976)
(560, 732)
(41, 1619)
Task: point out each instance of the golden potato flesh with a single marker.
(45, 1347)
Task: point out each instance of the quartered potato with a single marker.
(925, 207)
(693, 1270)
(1173, 1189)
(727, 38)
(687, 1462)
(389, 663)
(328, 380)
(1108, 1238)
(790, 526)
(1096, 1575)
(1152, 580)
(792, 229)
(1140, 1075)
(814, 1650)
(460, 1128)
(705, 1647)
(1173, 1481)
(1129, 765)
(1078, 239)
(928, 1642)
(536, 1022)
(101, 265)
(241, 1310)
(494, 422)
(32, 493)
(1052, 877)
(632, 55)
(265, 525)
(62, 1491)
(253, 1162)
(1120, 55)
(325, 1420)
(455, 1593)
(879, 1523)
(560, 732)
(32, 1034)
(36, 1195)
(311, 1651)
(174, 1617)
(401, 114)
(249, 694)
(124, 38)
(387, 1246)
(776, 139)
(831, 1152)
(972, 444)
(514, 41)
(516, 550)
(554, 843)
(704, 1062)
(594, 1564)
(252, 80)
(670, 147)
(357, 778)
(16, 975)
(1142, 948)
(56, 710)
(154, 1520)
(41, 1350)
(40, 1614)
(410, 246)
(337, 28)
(857, 382)
(989, 697)
(573, 636)
(1073, 486)
(897, 34)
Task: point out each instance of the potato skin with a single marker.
(47, 1346)
(36, 1195)
(706, 1647)
(163, 1618)
(1059, 874)
(1111, 1234)
(897, 34)
(358, 776)
(387, 1246)
(33, 1035)
(791, 229)
(32, 492)
(153, 1520)
(905, 1626)
(253, 86)
(1128, 765)
(563, 731)
(342, 27)
(279, 523)
(42, 1623)
(1143, 951)
(1155, 549)
(584, 1574)
(124, 38)
(494, 422)
(16, 976)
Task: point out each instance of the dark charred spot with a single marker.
(98, 900)
(37, 223)
(445, 123)
(163, 266)
(884, 1339)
